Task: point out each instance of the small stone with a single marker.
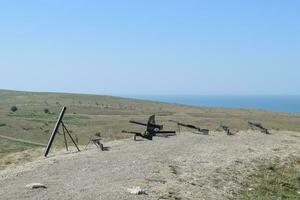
(35, 186)
(136, 191)
(250, 189)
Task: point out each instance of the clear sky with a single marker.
(151, 46)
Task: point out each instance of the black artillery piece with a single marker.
(226, 129)
(59, 123)
(258, 126)
(152, 129)
(200, 130)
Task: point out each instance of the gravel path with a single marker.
(187, 166)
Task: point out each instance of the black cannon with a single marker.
(152, 129)
(258, 126)
(200, 130)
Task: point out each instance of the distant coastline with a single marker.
(276, 103)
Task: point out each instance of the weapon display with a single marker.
(152, 129)
(200, 130)
(55, 131)
(226, 129)
(259, 126)
(96, 141)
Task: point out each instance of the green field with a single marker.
(88, 114)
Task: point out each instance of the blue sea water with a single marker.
(271, 103)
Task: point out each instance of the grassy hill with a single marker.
(88, 114)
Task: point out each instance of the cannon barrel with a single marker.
(139, 123)
(160, 127)
(131, 132)
(165, 132)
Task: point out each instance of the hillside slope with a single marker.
(186, 166)
(88, 114)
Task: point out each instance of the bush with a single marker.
(47, 111)
(13, 108)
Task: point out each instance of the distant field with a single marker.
(13, 146)
(88, 114)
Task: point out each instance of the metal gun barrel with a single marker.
(131, 132)
(139, 123)
(165, 132)
(145, 124)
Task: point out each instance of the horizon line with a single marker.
(142, 95)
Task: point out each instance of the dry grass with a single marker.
(18, 158)
(275, 179)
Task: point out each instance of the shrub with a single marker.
(47, 111)
(13, 108)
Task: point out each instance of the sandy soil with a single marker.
(187, 166)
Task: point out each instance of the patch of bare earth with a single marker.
(187, 166)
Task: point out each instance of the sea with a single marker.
(278, 103)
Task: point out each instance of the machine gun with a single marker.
(152, 129)
(200, 130)
(259, 126)
(226, 129)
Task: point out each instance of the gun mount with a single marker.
(200, 130)
(258, 126)
(152, 129)
(95, 139)
(226, 129)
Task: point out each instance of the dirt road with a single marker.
(187, 166)
(23, 141)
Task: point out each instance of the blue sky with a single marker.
(151, 47)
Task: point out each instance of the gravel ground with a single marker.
(186, 166)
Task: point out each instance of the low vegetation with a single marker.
(47, 111)
(19, 152)
(13, 109)
(274, 180)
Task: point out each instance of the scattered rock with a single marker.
(35, 186)
(136, 191)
